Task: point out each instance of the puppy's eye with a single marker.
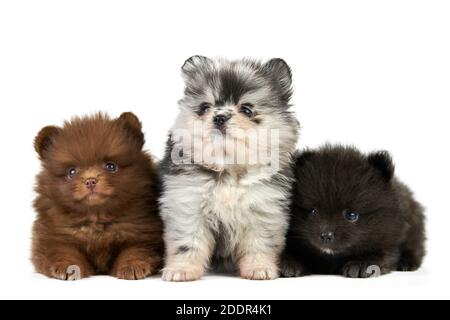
(71, 173)
(246, 109)
(314, 212)
(111, 167)
(351, 216)
(203, 108)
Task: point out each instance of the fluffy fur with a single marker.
(97, 203)
(349, 212)
(213, 210)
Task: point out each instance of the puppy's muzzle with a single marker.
(327, 237)
(91, 183)
(220, 121)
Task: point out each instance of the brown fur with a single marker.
(116, 230)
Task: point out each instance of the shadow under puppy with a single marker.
(97, 201)
(349, 213)
(218, 210)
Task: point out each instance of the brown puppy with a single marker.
(97, 201)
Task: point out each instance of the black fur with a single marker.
(336, 180)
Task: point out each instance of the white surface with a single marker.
(372, 73)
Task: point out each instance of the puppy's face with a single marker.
(229, 104)
(344, 201)
(92, 162)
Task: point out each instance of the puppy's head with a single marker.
(93, 161)
(345, 201)
(229, 104)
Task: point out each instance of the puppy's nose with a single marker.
(327, 237)
(91, 183)
(220, 120)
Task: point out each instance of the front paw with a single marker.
(260, 273)
(134, 270)
(363, 269)
(182, 274)
(292, 269)
(409, 262)
(67, 271)
(408, 266)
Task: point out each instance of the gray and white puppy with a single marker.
(223, 198)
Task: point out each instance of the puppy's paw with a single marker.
(260, 273)
(67, 271)
(407, 265)
(409, 262)
(134, 270)
(363, 269)
(181, 275)
(292, 269)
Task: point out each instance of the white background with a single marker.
(371, 73)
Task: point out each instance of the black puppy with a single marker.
(351, 216)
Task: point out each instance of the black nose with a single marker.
(220, 120)
(327, 237)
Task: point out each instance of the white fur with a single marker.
(237, 212)
(248, 211)
(328, 251)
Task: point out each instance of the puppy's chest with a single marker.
(95, 230)
(235, 201)
(225, 197)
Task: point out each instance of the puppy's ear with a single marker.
(195, 64)
(44, 139)
(281, 73)
(133, 127)
(382, 161)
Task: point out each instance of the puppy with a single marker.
(97, 203)
(351, 216)
(227, 170)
